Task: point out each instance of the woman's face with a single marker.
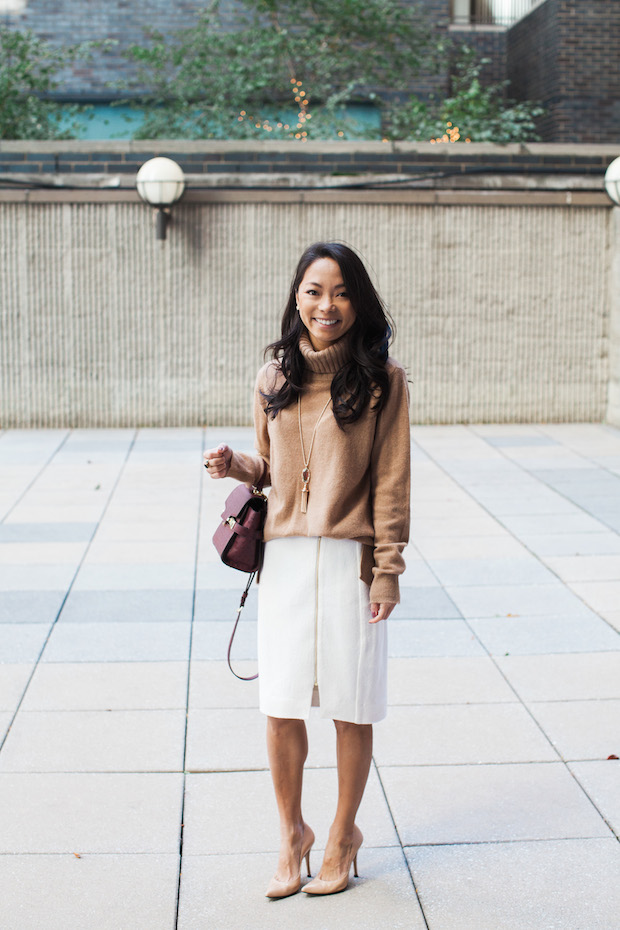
(323, 303)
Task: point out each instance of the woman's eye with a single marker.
(344, 294)
(311, 292)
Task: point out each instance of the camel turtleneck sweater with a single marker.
(359, 476)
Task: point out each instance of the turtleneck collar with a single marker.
(326, 361)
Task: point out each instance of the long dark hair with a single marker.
(364, 376)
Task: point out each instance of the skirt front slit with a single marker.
(314, 635)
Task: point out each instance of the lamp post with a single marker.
(161, 182)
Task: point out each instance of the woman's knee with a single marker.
(285, 725)
(345, 726)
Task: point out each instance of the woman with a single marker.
(332, 435)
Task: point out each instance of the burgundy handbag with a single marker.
(239, 541)
(239, 537)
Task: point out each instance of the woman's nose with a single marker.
(326, 302)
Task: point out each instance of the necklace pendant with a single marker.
(305, 477)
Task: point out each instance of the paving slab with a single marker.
(457, 733)
(568, 884)
(585, 568)
(510, 599)
(425, 604)
(210, 749)
(473, 572)
(5, 723)
(585, 676)
(37, 577)
(453, 680)
(13, 681)
(601, 782)
(224, 813)
(54, 892)
(22, 642)
(46, 532)
(90, 813)
(571, 544)
(577, 522)
(473, 547)
(149, 641)
(523, 635)
(210, 640)
(431, 638)
(601, 596)
(106, 686)
(483, 525)
(488, 803)
(222, 603)
(581, 729)
(212, 685)
(97, 577)
(95, 741)
(382, 896)
(112, 531)
(35, 553)
(151, 605)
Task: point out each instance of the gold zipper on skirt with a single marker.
(316, 615)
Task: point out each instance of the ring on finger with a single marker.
(207, 463)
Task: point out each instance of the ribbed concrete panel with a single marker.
(502, 312)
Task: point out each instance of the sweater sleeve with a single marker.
(390, 480)
(249, 468)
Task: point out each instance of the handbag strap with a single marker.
(239, 609)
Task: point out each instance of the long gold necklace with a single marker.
(305, 474)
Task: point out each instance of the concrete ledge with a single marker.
(395, 195)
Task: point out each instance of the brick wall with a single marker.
(335, 159)
(566, 54)
(67, 22)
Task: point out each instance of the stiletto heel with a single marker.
(282, 889)
(320, 886)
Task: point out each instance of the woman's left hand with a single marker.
(381, 611)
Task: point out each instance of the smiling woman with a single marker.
(332, 436)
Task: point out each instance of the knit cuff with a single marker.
(244, 468)
(384, 589)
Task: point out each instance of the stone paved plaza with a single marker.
(134, 789)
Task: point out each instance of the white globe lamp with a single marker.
(612, 181)
(161, 182)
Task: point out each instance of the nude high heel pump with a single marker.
(281, 889)
(320, 886)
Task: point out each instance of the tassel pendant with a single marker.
(305, 477)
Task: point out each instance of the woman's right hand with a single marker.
(217, 461)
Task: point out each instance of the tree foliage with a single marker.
(284, 69)
(29, 68)
(473, 111)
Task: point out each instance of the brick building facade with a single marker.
(566, 53)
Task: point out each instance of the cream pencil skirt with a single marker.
(314, 638)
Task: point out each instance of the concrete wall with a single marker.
(502, 301)
(613, 409)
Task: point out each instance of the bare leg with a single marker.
(354, 755)
(287, 747)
